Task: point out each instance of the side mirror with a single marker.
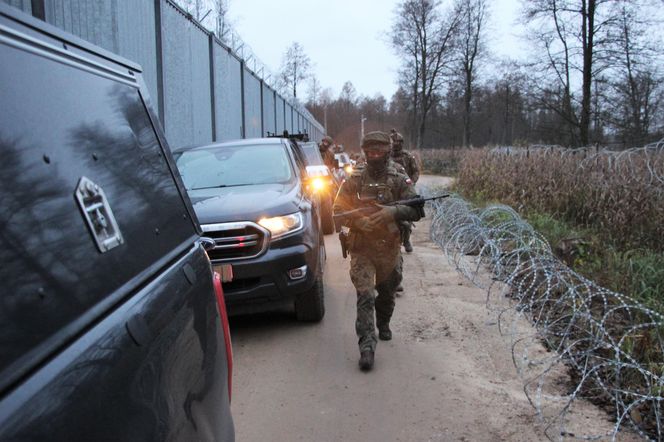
(208, 243)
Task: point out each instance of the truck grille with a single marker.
(240, 240)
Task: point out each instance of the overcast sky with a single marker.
(347, 40)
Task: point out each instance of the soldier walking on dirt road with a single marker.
(409, 162)
(374, 241)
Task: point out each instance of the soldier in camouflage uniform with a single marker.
(374, 240)
(328, 157)
(408, 161)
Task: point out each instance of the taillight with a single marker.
(221, 303)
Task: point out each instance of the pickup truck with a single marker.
(252, 197)
(112, 323)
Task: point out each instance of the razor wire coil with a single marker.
(611, 345)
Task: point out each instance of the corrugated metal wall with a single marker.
(195, 81)
(187, 97)
(252, 106)
(24, 5)
(281, 117)
(124, 27)
(269, 115)
(228, 94)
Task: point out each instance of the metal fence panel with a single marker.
(127, 28)
(124, 27)
(269, 116)
(23, 5)
(187, 96)
(91, 20)
(252, 105)
(290, 127)
(281, 117)
(227, 94)
(137, 39)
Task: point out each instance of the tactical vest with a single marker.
(383, 190)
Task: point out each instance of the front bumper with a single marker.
(262, 283)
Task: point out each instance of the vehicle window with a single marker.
(227, 166)
(312, 154)
(299, 157)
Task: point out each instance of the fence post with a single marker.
(276, 126)
(38, 9)
(213, 110)
(243, 131)
(262, 111)
(160, 63)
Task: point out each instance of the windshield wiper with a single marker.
(219, 186)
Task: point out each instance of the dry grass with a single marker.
(619, 196)
(440, 161)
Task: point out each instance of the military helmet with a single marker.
(376, 140)
(397, 137)
(327, 141)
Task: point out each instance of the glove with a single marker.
(384, 216)
(363, 224)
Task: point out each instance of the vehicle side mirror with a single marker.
(208, 243)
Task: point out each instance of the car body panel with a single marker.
(98, 344)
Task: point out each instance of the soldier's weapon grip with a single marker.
(417, 202)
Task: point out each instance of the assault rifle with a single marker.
(372, 206)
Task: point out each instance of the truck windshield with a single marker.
(227, 166)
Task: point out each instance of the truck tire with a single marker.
(310, 305)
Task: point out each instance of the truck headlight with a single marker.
(317, 184)
(282, 225)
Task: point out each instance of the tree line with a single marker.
(593, 76)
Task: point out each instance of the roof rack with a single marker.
(304, 137)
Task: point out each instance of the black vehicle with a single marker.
(112, 325)
(323, 182)
(251, 196)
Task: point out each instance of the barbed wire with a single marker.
(608, 345)
(633, 161)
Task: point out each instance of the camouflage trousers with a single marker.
(406, 228)
(374, 271)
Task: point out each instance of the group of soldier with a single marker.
(386, 174)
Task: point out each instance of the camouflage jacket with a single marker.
(328, 159)
(408, 161)
(393, 186)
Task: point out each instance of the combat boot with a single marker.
(385, 334)
(408, 246)
(366, 360)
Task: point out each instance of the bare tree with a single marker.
(295, 67)
(222, 22)
(422, 36)
(574, 37)
(470, 48)
(314, 90)
(636, 84)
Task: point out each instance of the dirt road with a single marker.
(447, 375)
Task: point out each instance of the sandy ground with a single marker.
(447, 375)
